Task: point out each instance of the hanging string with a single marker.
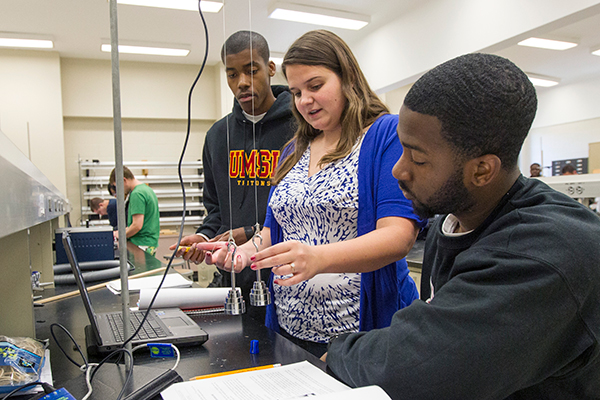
(256, 152)
(230, 240)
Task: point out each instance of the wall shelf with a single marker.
(161, 176)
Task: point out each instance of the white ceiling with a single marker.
(79, 27)
(570, 65)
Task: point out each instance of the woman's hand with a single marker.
(219, 254)
(299, 260)
(390, 241)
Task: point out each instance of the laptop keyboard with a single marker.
(150, 330)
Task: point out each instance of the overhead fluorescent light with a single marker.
(318, 16)
(543, 81)
(547, 44)
(26, 43)
(188, 5)
(154, 51)
(596, 52)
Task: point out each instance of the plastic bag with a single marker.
(21, 361)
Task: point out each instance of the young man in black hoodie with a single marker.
(512, 309)
(259, 125)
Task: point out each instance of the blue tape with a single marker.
(161, 350)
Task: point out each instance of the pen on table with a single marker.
(237, 371)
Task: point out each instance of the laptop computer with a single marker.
(167, 325)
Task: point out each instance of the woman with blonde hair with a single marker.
(337, 222)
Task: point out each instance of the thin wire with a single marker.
(85, 361)
(231, 239)
(256, 156)
(101, 363)
(91, 368)
(30, 384)
(88, 379)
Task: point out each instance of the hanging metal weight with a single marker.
(259, 295)
(234, 304)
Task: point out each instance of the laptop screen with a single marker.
(70, 250)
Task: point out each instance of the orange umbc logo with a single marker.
(259, 164)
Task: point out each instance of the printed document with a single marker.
(293, 381)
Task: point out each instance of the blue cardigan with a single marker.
(386, 290)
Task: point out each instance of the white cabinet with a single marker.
(161, 176)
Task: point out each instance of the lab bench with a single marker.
(228, 346)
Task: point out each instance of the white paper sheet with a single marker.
(291, 381)
(184, 298)
(149, 282)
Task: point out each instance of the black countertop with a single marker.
(228, 346)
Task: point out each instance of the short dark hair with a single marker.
(484, 102)
(241, 40)
(126, 174)
(569, 168)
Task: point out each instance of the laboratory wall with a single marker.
(31, 109)
(154, 114)
(395, 98)
(148, 90)
(568, 119)
(559, 142)
(142, 139)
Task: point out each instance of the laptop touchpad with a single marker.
(172, 322)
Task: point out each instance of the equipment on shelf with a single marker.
(161, 176)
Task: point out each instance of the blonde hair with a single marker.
(363, 107)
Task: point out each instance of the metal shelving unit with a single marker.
(161, 176)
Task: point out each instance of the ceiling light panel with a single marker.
(154, 51)
(26, 43)
(318, 16)
(188, 5)
(547, 44)
(543, 81)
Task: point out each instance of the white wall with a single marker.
(568, 119)
(568, 103)
(154, 109)
(143, 140)
(148, 90)
(395, 98)
(559, 142)
(31, 109)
